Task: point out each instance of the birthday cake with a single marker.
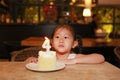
(46, 59)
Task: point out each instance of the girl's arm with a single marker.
(90, 58)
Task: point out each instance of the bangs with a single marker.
(68, 27)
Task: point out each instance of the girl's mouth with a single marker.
(60, 46)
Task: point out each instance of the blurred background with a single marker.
(54, 11)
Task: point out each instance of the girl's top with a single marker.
(72, 55)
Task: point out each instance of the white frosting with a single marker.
(47, 54)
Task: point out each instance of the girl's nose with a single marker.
(61, 40)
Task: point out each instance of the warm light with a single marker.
(87, 12)
(41, 0)
(108, 29)
(88, 3)
(73, 1)
(51, 3)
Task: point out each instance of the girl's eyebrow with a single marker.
(67, 34)
(56, 33)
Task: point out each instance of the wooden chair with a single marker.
(23, 54)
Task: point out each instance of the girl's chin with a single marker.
(61, 52)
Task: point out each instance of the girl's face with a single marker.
(63, 41)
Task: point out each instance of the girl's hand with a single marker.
(32, 59)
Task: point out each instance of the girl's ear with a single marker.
(75, 44)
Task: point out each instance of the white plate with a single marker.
(34, 67)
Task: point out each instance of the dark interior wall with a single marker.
(19, 32)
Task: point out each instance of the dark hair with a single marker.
(77, 49)
(66, 27)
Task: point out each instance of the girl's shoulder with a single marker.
(74, 55)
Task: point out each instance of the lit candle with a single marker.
(46, 44)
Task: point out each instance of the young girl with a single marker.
(63, 41)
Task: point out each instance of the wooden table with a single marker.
(87, 42)
(33, 41)
(17, 71)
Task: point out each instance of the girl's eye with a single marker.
(57, 37)
(66, 37)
